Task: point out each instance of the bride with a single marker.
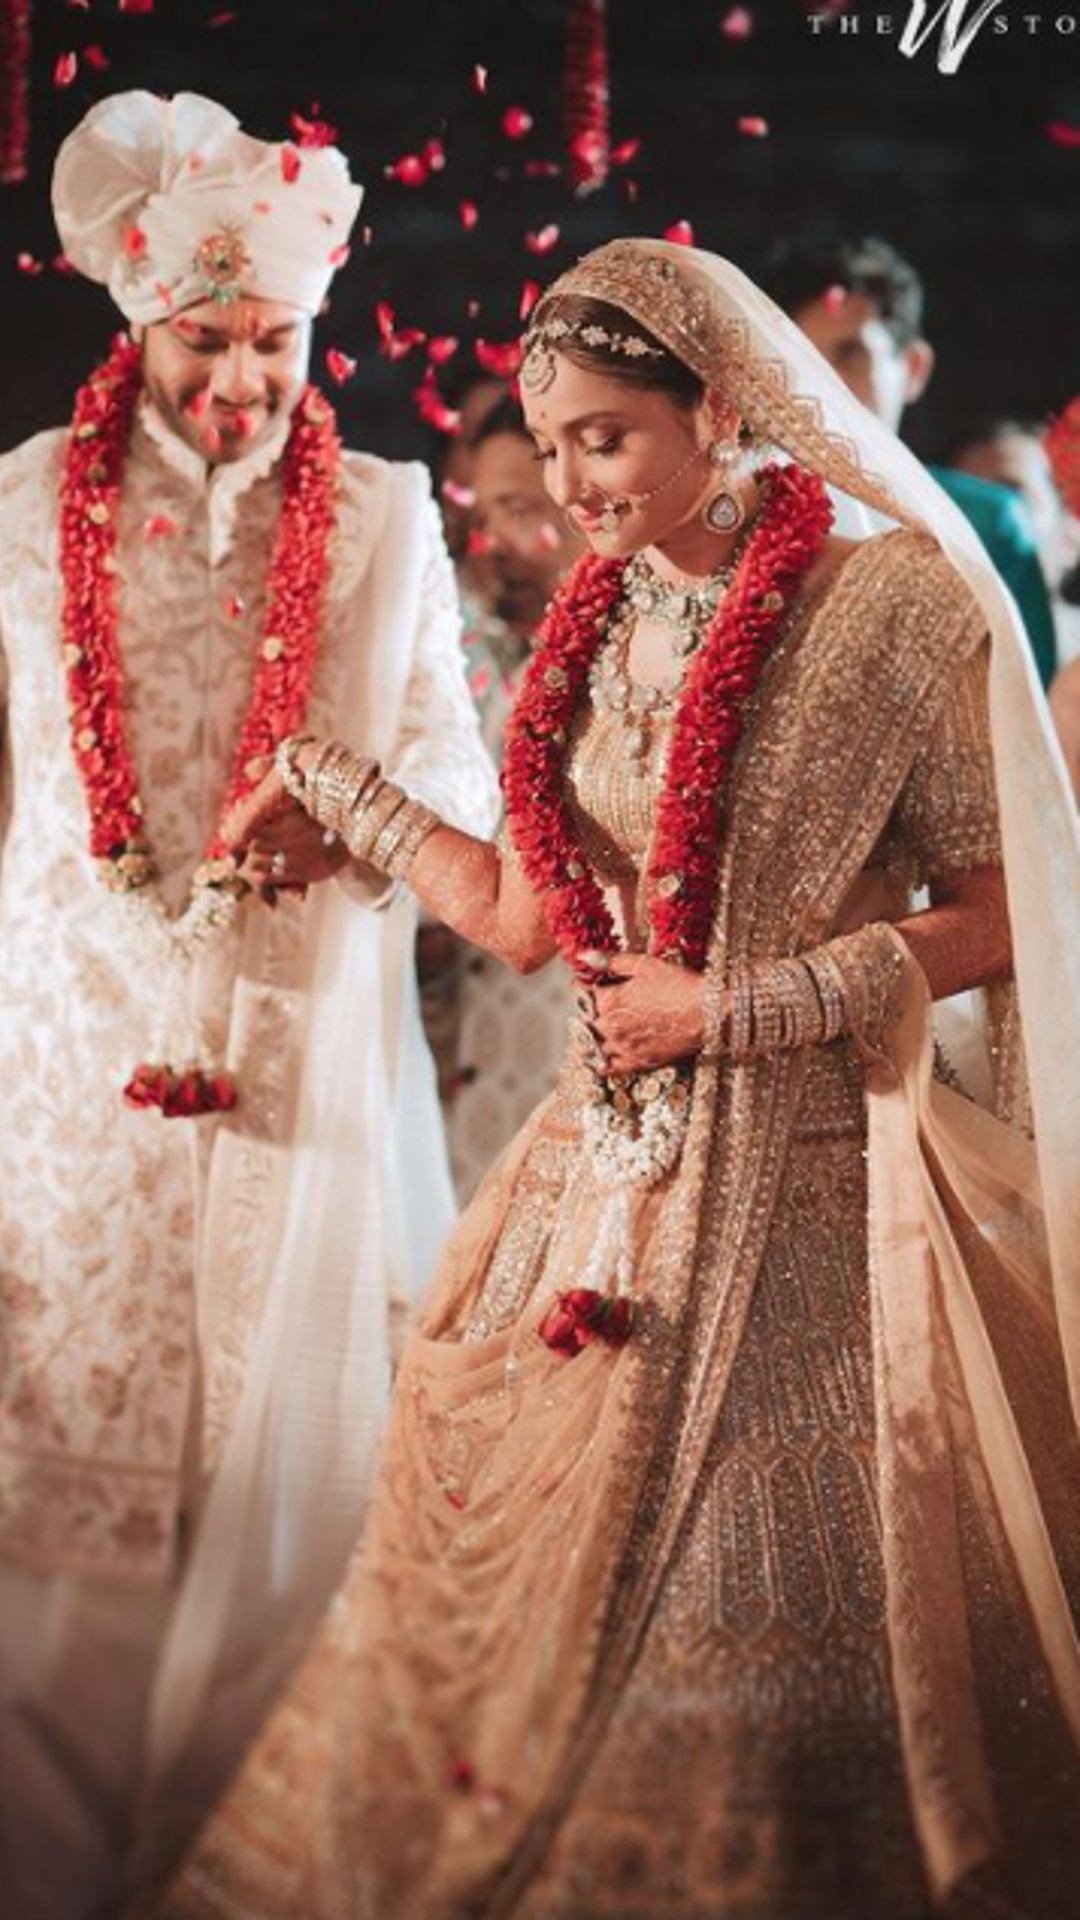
(722, 1555)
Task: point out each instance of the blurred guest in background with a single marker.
(1011, 453)
(513, 1026)
(440, 955)
(862, 305)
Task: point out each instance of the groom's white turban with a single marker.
(167, 203)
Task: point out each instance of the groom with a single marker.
(205, 1220)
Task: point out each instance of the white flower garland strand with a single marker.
(633, 1134)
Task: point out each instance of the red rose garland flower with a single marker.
(299, 568)
(681, 882)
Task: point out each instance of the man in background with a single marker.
(862, 304)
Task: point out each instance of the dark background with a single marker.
(959, 171)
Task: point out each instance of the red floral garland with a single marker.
(586, 95)
(681, 881)
(299, 568)
(14, 89)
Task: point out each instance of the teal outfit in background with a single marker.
(1000, 518)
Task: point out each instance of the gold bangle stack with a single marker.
(345, 793)
(847, 986)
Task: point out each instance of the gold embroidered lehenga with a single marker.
(749, 1619)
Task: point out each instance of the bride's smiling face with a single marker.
(600, 440)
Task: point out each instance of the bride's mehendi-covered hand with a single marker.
(649, 1013)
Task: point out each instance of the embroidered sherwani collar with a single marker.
(223, 486)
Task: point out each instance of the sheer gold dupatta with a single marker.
(959, 1270)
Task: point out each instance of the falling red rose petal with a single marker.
(442, 348)
(434, 155)
(159, 527)
(737, 25)
(96, 58)
(834, 297)
(681, 232)
(469, 214)
(543, 241)
(752, 125)
(500, 357)
(290, 164)
(530, 294)
(432, 408)
(626, 151)
(409, 171)
(29, 263)
(458, 496)
(339, 365)
(65, 70)
(479, 79)
(135, 6)
(338, 255)
(134, 243)
(516, 123)
(1063, 134)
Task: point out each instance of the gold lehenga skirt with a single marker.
(752, 1767)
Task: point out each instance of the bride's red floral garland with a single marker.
(299, 567)
(681, 883)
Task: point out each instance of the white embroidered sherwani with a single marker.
(194, 1314)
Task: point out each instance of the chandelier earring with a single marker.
(724, 511)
